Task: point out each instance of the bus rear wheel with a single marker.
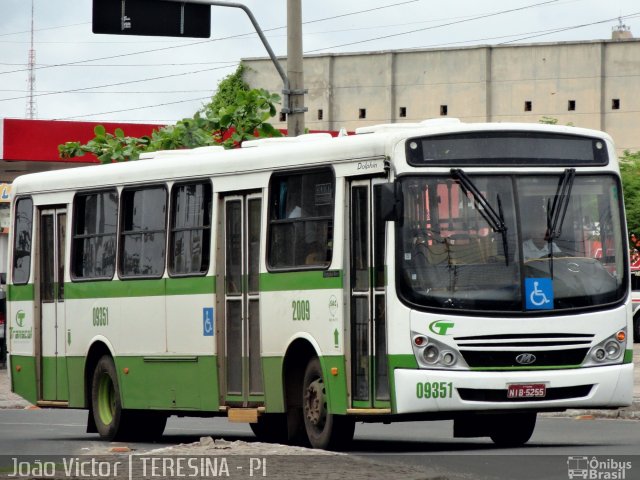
(106, 404)
(112, 421)
(512, 429)
(324, 430)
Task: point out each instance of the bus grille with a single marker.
(558, 393)
(542, 358)
(540, 349)
(527, 340)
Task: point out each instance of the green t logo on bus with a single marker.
(440, 327)
(20, 316)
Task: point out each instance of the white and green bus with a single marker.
(305, 284)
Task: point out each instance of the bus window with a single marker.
(454, 258)
(301, 220)
(22, 241)
(143, 234)
(94, 235)
(190, 229)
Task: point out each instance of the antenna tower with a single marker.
(31, 79)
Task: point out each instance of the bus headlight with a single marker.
(609, 351)
(432, 353)
(448, 358)
(612, 349)
(599, 354)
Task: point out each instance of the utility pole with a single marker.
(31, 78)
(295, 71)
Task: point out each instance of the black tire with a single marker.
(106, 404)
(271, 428)
(324, 430)
(112, 421)
(513, 429)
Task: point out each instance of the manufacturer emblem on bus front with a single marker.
(526, 358)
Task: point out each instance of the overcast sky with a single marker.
(76, 79)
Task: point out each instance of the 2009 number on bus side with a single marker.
(301, 310)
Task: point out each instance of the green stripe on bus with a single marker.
(273, 386)
(269, 282)
(309, 280)
(114, 289)
(628, 356)
(54, 378)
(23, 377)
(20, 293)
(335, 385)
(75, 373)
(172, 384)
(140, 288)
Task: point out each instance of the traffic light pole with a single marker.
(293, 108)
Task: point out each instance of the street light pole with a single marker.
(295, 71)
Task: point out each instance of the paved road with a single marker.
(424, 446)
(427, 445)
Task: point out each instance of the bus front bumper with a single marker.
(420, 391)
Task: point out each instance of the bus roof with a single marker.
(266, 155)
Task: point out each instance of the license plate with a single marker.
(529, 390)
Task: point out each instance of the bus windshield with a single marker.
(516, 243)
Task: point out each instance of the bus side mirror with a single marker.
(391, 202)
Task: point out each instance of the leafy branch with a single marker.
(235, 114)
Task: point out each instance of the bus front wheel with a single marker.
(106, 404)
(512, 429)
(324, 430)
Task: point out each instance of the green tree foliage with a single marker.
(234, 114)
(630, 172)
(243, 118)
(227, 91)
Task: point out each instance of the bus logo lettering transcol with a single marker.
(440, 327)
(526, 358)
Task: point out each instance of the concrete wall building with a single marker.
(592, 84)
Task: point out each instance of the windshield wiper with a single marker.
(558, 210)
(493, 218)
(555, 216)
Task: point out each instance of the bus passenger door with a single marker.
(239, 345)
(369, 376)
(50, 284)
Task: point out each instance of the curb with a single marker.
(626, 413)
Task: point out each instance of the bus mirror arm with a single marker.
(391, 202)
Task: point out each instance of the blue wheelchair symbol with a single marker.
(207, 322)
(539, 292)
